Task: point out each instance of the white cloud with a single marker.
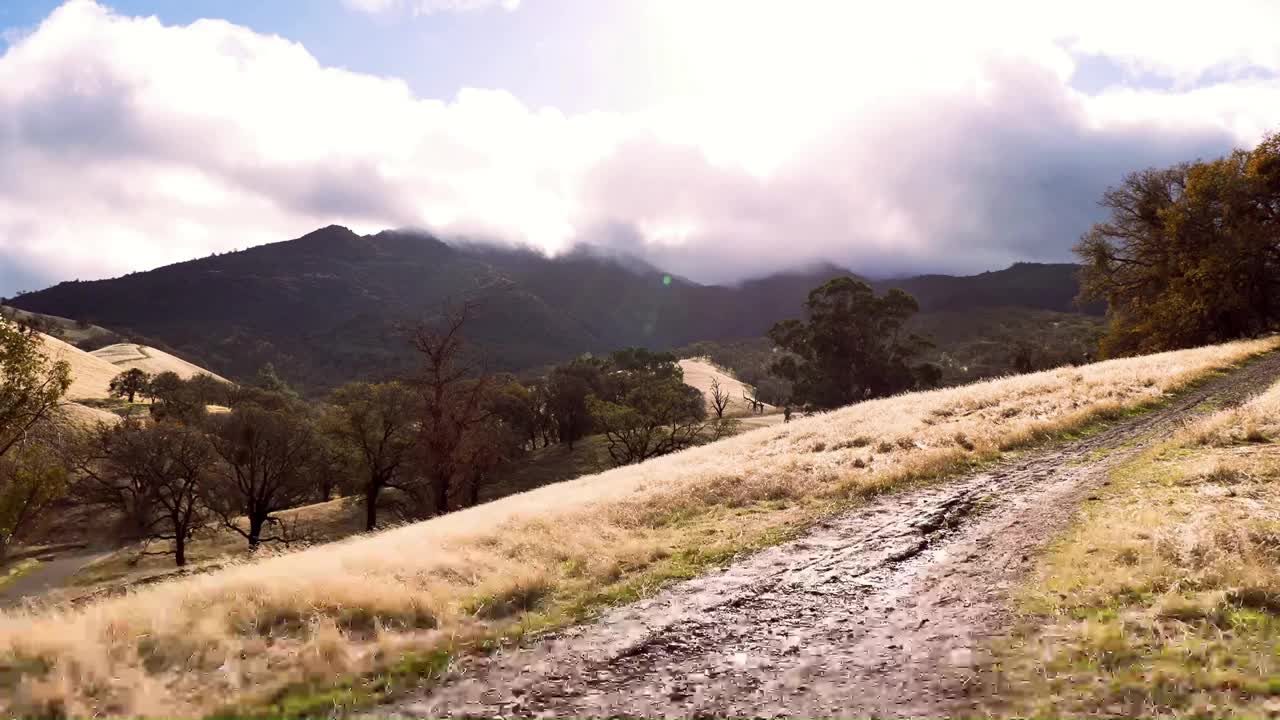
(428, 7)
(889, 141)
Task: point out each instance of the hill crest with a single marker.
(332, 305)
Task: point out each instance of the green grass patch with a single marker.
(17, 570)
(1162, 600)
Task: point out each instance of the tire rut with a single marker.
(883, 611)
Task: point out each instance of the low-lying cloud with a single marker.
(126, 144)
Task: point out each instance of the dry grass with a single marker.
(90, 380)
(90, 376)
(699, 372)
(1164, 600)
(125, 356)
(85, 416)
(535, 559)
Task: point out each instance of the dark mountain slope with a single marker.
(332, 305)
(1029, 285)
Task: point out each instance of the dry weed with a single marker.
(191, 645)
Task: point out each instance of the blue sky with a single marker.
(718, 139)
(573, 54)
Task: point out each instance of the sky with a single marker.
(717, 139)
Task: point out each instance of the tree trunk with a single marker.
(441, 490)
(180, 549)
(255, 532)
(371, 505)
(473, 492)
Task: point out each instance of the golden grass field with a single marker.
(699, 372)
(538, 559)
(92, 373)
(1164, 598)
(125, 356)
(91, 376)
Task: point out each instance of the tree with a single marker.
(487, 446)
(31, 386)
(645, 409)
(265, 453)
(375, 424)
(453, 389)
(155, 475)
(517, 410)
(567, 391)
(176, 399)
(268, 379)
(329, 469)
(851, 347)
(544, 423)
(31, 390)
(720, 398)
(129, 383)
(206, 390)
(32, 480)
(1190, 254)
(656, 416)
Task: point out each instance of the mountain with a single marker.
(333, 305)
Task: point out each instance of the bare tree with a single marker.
(452, 387)
(720, 399)
(153, 473)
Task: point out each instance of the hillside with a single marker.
(83, 335)
(126, 356)
(333, 305)
(397, 607)
(699, 373)
(90, 375)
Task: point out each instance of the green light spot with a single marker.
(666, 279)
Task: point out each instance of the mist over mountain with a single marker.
(333, 304)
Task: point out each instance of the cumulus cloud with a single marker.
(427, 7)
(879, 142)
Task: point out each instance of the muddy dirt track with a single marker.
(883, 611)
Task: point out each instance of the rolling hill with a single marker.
(333, 305)
(699, 372)
(90, 375)
(92, 372)
(127, 356)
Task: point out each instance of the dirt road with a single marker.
(49, 575)
(883, 611)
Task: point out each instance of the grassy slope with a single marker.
(91, 376)
(125, 356)
(699, 372)
(389, 607)
(1164, 599)
(67, 330)
(343, 517)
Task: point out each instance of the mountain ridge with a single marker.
(333, 305)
